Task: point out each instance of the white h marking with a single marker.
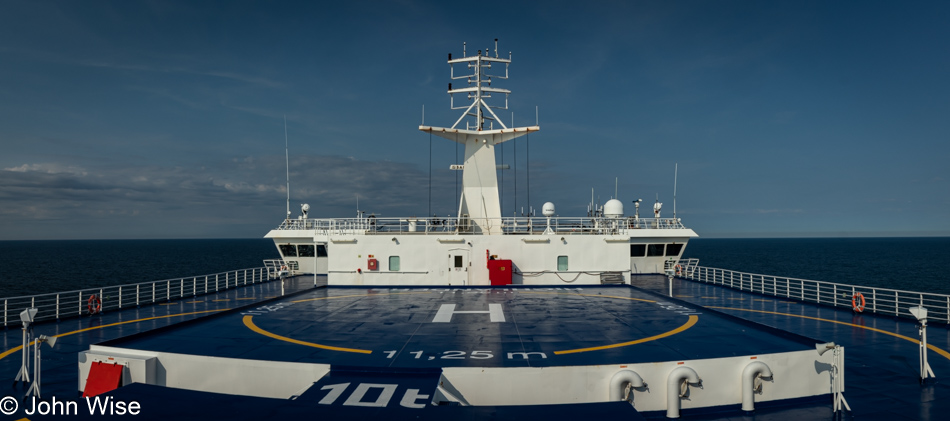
(447, 310)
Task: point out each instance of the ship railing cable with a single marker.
(83, 302)
(858, 298)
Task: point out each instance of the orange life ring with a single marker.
(679, 270)
(94, 304)
(857, 302)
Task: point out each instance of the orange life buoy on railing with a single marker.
(94, 304)
(857, 302)
(679, 270)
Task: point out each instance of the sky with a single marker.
(165, 119)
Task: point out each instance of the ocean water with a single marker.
(36, 267)
(910, 264)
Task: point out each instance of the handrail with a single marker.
(884, 301)
(510, 225)
(75, 303)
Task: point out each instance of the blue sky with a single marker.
(165, 119)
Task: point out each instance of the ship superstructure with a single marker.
(602, 247)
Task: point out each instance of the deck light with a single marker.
(837, 382)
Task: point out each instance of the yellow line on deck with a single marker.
(249, 322)
(689, 323)
(12, 350)
(945, 354)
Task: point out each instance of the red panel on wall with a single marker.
(499, 272)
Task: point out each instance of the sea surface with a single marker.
(909, 264)
(37, 267)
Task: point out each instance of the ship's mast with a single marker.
(480, 200)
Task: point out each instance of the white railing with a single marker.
(58, 305)
(876, 300)
(509, 225)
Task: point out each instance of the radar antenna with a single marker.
(480, 199)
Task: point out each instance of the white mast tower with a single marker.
(479, 182)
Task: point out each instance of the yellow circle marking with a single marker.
(945, 354)
(12, 350)
(249, 322)
(689, 323)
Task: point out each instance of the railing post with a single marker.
(803, 289)
(194, 287)
(5, 313)
(834, 290)
(182, 290)
(874, 300)
(206, 284)
(120, 296)
(57, 306)
(137, 295)
(897, 311)
(153, 292)
(216, 282)
(818, 292)
(168, 290)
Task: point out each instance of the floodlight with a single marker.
(51, 340)
(26, 316)
(823, 348)
(919, 312)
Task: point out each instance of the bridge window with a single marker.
(655, 250)
(638, 250)
(394, 263)
(673, 249)
(305, 250)
(321, 250)
(288, 250)
(562, 263)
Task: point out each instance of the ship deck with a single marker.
(406, 329)
(436, 327)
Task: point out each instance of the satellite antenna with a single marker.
(26, 317)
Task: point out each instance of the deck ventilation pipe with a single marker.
(751, 383)
(677, 385)
(619, 383)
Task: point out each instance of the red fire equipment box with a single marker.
(499, 272)
(372, 264)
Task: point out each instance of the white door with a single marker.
(457, 267)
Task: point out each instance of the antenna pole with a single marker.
(675, 172)
(287, 158)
